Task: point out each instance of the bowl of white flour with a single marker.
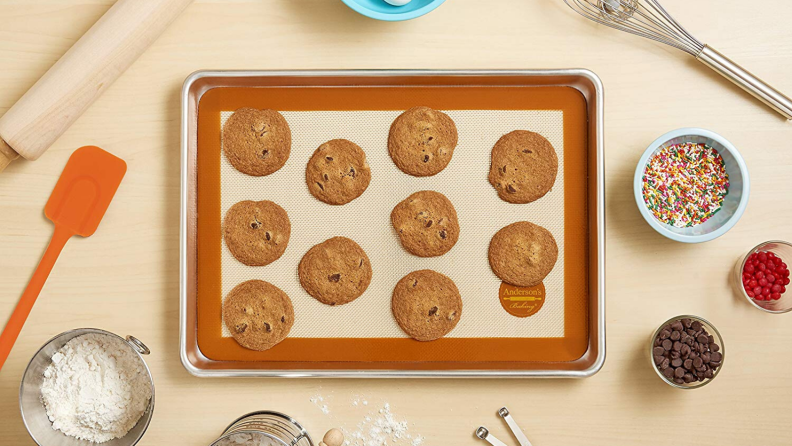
(86, 387)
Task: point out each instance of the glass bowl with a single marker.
(781, 249)
(718, 339)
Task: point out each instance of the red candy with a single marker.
(765, 276)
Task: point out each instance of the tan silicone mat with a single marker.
(367, 221)
(363, 335)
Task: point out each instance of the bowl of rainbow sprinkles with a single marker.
(691, 185)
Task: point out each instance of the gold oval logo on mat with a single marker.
(522, 301)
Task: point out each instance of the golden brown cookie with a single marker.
(523, 254)
(256, 232)
(256, 142)
(258, 314)
(427, 223)
(338, 172)
(336, 271)
(426, 305)
(422, 141)
(524, 166)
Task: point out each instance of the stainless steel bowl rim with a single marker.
(138, 347)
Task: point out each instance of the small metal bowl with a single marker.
(34, 415)
(734, 203)
(781, 249)
(711, 330)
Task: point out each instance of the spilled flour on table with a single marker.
(379, 427)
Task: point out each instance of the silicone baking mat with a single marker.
(367, 221)
(363, 335)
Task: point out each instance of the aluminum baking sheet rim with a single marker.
(599, 127)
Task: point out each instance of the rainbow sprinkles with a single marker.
(684, 185)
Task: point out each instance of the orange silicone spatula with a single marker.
(77, 204)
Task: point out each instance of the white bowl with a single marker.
(734, 203)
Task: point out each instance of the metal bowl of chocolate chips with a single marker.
(687, 352)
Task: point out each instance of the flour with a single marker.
(247, 439)
(95, 389)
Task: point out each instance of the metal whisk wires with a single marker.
(645, 18)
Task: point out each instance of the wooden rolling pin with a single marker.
(41, 116)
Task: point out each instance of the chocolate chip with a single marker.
(659, 359)
(677, 346)
(675, 355)
(267, 327)
(687, 322)
(705, 357)
(689, 378)
(716, 357)
(268, 236)
(321, 186)
(443, 234)
(426, 158)
(658, 351)
(702, 338)
(714, 347)
(674, 335)
(329, 158)
(688, 364)
(668, 372)
(685, 350)
(667, 344)
(664, 364)
(429, 223)
(665, 334)
(676, 362)
(334, 277)
(511, 189)
(679, 372)
(696, 325)
(677, 326)
(433, 311)
(241, 328)
(708, 373)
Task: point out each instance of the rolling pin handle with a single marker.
(7, 154)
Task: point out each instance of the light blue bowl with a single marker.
(734, 203)
(381, 10)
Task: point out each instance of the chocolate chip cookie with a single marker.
(427, 223)
(426, 304)
(523, 254)
(258, 314)
(422, 141)
(336, 271)
(256, 142)
(524, 166)
(256, 232)
(338, 172)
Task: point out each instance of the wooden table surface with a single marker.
(126, 277)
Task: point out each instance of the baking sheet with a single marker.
(367, 221)
(578, 352)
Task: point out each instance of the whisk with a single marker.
(647, 18)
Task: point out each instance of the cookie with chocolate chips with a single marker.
(258, 314)
(524, 166)
(422, 141)
(336, 271)
(256, 232)
(338, 172)
(426, 223)
(523, 254)
(256, 142)
(426, 304)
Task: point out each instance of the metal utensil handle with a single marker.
(747, 81)
(484, 434)
(516, 431)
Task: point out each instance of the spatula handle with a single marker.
(44, 113)
(22, 310)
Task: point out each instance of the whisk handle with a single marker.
(747, 81)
